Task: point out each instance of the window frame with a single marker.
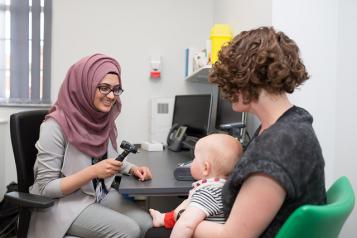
(30, 54)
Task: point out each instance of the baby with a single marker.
(215, 158)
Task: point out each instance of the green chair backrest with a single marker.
(324, 221)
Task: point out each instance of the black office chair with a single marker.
(24, 130)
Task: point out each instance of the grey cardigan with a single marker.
(57, 158)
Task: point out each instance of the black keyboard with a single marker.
(183, 172)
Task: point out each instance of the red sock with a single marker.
(169, 220)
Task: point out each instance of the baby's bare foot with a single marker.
(157, 218)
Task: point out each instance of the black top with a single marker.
(289, 152)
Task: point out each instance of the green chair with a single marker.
(313, 221)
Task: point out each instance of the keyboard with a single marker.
(183, 172)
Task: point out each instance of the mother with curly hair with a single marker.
(282, 167)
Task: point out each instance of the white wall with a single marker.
(242, 14)
(346, 109)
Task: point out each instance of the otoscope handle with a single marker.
(122, 156)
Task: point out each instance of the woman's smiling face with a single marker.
(104, 102)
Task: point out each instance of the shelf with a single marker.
(201, 75)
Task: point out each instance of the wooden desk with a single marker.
(162, 165)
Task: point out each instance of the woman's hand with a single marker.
(103, 169)
(143, 173)
(107, 168)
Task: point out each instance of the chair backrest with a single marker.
(24, 131)
(313, 221)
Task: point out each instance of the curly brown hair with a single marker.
(258, 59)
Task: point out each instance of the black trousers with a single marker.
(158, 232)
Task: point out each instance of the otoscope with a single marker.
(128, 148)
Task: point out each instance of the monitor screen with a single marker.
(225, 113)
(194, 112)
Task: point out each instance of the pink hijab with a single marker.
(82, 124)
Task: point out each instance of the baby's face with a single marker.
(196, 170)
(197, 165)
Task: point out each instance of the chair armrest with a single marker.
(28, 200)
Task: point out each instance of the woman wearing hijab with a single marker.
(76, 159)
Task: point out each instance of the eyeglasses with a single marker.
(106, 89)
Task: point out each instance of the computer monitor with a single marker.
(225, 113)
(193, 111)
(227, 119)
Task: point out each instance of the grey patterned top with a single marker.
(52, 146)
(289, 152)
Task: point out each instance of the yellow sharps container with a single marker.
(220, 34)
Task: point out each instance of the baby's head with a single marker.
(215, 156)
